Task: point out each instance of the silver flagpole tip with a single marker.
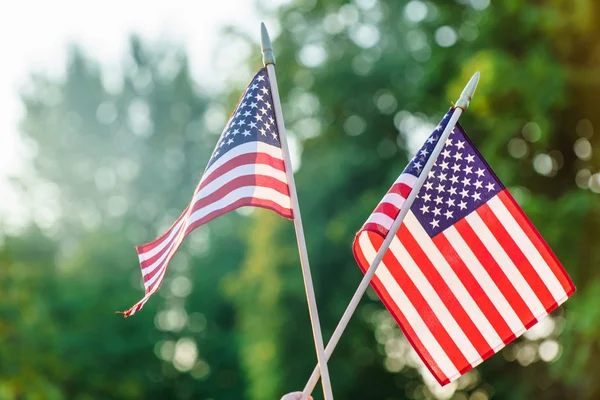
(267, 47)
(467, 93)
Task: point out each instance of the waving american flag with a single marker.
(245, 169)
(466, 272)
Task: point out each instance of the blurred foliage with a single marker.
(117, 155)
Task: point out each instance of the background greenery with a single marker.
(361, 82)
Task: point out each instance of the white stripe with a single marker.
(394, 199)
(155, 250)
(503, 260)
(258, 192)
(408, 310)
(380, 219)
(454, 283)
(438, 307)
(528, 249)
(407, 179)
(242, 170)
(485, 281)
(159, 275)
(250, 147)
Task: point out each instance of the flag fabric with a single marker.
(467, 272)
(245, 169)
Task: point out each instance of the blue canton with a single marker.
(459, 182)
(253, 119)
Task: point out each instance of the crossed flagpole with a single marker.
(323, 354)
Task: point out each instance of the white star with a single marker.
(244, 104)
(435, 223)
(428, 185)
(446, 153)
(460, 144)
(478, 184)
(452, 191)
(254, 86)
(431, 174)
(470, 158)
(442, 177)
(476, 196)
(454, 179)
(230, 141)
(259, 97)
(417, 166)
(440, 188)
(449, 142)
(430, 140)
(424, 209)
(241, 122)
(448, 214)
(263, 110)
(253, 105)
(464, 193)
(235, 132)
(462, 205)
(252, 124)
(264, 90)
(271, 120)
(426, 197)
(216, 153)
(246, 132)
(436, 211)
(438, 200)
(456, 168)
(263, 131)
(444, 165)
(268, 105)
(490, 186)
(466, 181)
(261, 78)
(424, 152)
(438, 128)
(468, 170)
(480, 172)
(247, 113)
(258, 117)
(457, 156)
(274, 135)
(450, 202)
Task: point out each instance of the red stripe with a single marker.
(149, 261)
(239, 182)
(516, 255)
(474, 288)
(537, 240)
(446, 294)
(246, 201)
(388, 209)
(423, 308)
(495, 272)
(243, 159)
(393, 308)
(400, 188)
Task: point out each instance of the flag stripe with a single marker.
(513, 250)
(428, 304)
(535, 248)
(451, 289)
(408, 318)
(496, 273)
(477, 293)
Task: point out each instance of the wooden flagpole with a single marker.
(269, 62)
(461, 105)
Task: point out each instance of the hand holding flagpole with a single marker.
(269, 62)
(461, 105)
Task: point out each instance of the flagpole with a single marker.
(461, 105)
(269, 62)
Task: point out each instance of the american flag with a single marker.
(466, 272)
(245, 169)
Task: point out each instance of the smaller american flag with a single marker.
(466, 272)
(245, 169)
